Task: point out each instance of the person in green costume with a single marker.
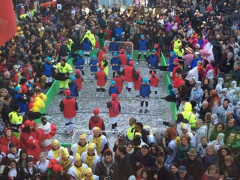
(101, 38)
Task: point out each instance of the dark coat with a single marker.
(194, 168)
(125, 167)
(101, 170)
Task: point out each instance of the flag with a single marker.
(8, 25)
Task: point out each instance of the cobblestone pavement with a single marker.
(158, 108)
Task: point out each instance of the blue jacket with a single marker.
(113, 90)
(118, 33)
(79, 62)
(142, 44)
(73, 88)
(116, 61)
(21, 102)
(86, 46)
(153, 61)
(113, 46)
(145, 90)
(194, 62)
(170, 62)
(48, 69)
(93, 68)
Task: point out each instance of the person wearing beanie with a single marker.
(99, 139)
(55, 152)
(130, 75)
(73, 87)
(79, 62)
(16, 120)
(114, 109)
(87, 46)
(119, 81)
(170, 62)
(158, 52)
(142, 47)
(63, 70)
(113, 89)
(90, 157)
(144, 94)
(69, 108)
(113, 47)
(101, 78)
(154, 81)
(9, 138)
(81, 146)
(21, 100)
(153, 61)
(78, 168)
(115, 62)
(93, 66)
(128, 59)
(48, 70)
(65, 160)
(137, 84)
(78, 81)
(123, 58)
(96, 120)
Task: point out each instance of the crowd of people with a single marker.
(200, 40)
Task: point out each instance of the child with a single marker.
(119, 81)
(113, 45)
(14, 152)
(93, 65)
(123, 58)
(128, 59)
(113, 89)
(48, 72)
(79, 62)
(116, 62)
(154, 83)
(86, 47)
(78, 81)
(144, 94)
(20, 100)
(96, 120)
(101, 81)
(137, 84)
(170, 62)
(15, 120)
(73, 87)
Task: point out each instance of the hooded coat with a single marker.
(187, 114)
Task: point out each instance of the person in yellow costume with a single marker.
(63, 70)
(15, 120)
(99, 139)
(89, 175)
(55, 152)
(81, 146)
(65, 160)
(189, 115)
(90, 157)
(91, 38)
(78, 169)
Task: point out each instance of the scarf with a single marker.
(81, 149)
(79, 171)
(98, 142)
(66, 164)
(107, 166)
(90, 161)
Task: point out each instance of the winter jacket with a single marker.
(5, 141)
(48, 69)
(206, 176)
(147, 161)
(79, 62)
(187, 177)
(21, 102)
(110, 170)
(145, 90)
(69, 107)
(86, 45)
(187, 114)
(125, 167)
(153, 61)
(182, 152)
(208, 160)
(118, 33)
(25, 136)
(194, 168)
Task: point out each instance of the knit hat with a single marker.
(17, 88)
(95, 111)
(105, 48)
(73, 79)
(27, 123)
(145, 80)
(113, 38)
(80, 53)
(154, 50)
(57, 168)
(67, 92)
(94, 56)
(176, 60)
(102, 68)
(122, 50)
(152, 73)
(77, 71)
(115, 54)
(55, 142)
(182, 169)
(172, 53)
(156, 45)
(83, 136)
(52, 162)
(138, 72)
(130, 63)
(128, 56)
(142, 36)
(114, 96)
(113, 83)
(48, 59)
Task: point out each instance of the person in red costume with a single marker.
(47, 131)
(158, 52)
(34, 148)
(101, 81)
(100, 53)
(28, 132)
(96, 120)
(177, 68)
(8, 138)
(123, 58)
(178, 81)
(154, 81)
(3, 153)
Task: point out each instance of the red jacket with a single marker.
(3, 151)
(5, 141)
(101, 78)
(137, 84)
(174, 71)
(178, 82)
(114, 108)
(96, 121)
(128, 73)
(33, 148)
(79, 82)
(14, 76)
(24, 88)
(25, 136)
(154, 81)
(100, 53)
(69, 108)
(123, 58)
(119, 83)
